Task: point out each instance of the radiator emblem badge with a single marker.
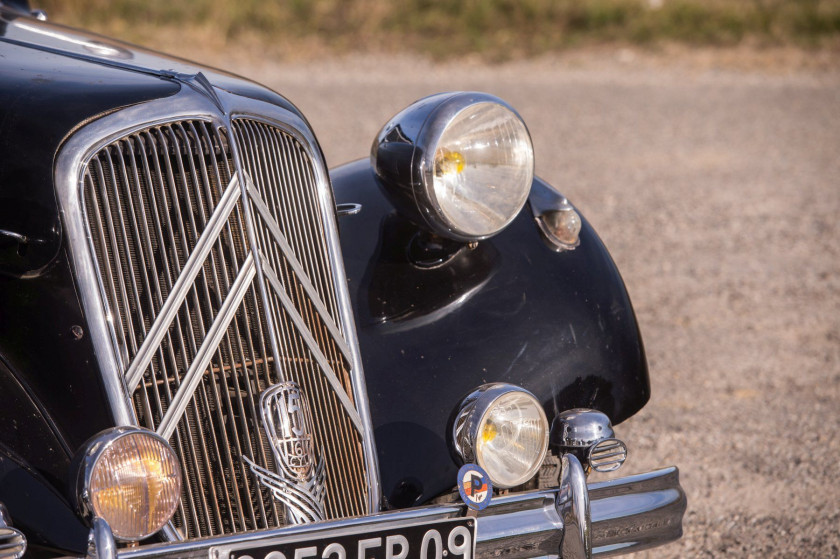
(299, 481)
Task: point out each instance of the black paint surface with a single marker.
(559, 324)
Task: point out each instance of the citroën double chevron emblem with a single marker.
(288, 424)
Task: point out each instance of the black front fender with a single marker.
(508, 310)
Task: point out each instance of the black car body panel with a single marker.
(61, 92)
(50, 522)
(433, 322)
(52, 392)
(509, 310)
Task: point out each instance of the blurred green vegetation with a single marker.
(442, 28)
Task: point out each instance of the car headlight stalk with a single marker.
(460, 164)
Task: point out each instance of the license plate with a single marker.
(445, 539)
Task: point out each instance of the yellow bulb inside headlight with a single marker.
(449, 162)
(488, 433)
(133, 483)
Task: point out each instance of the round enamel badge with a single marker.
(475, 486)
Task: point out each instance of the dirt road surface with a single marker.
(718, 193)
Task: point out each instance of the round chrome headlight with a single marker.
(130, 477)
(503, 429)
(460, 163)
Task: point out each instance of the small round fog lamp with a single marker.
(131, 478)
(503, 429)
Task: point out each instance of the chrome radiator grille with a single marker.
(218, 285)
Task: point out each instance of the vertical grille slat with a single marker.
(270, 138)
(204, 199)
(279, 153)
(196, 444)
(166, 213)
(189, 431)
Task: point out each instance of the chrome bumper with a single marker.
(574, 521)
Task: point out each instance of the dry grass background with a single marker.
(492, 30)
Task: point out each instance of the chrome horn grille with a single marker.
(217, 281)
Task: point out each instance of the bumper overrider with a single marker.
(575, 520)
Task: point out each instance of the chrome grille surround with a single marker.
(267, 278)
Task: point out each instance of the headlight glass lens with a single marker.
(482, 169)
(135, 485)
(512, 439)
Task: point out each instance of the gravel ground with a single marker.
(718, 193)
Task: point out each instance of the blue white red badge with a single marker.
(475, 486)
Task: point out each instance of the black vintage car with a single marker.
(211, 345)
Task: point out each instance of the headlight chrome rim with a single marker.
(88, 459)
(471, 418)
(438, 124)
(404, 152)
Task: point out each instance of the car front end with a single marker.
(214, 346)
